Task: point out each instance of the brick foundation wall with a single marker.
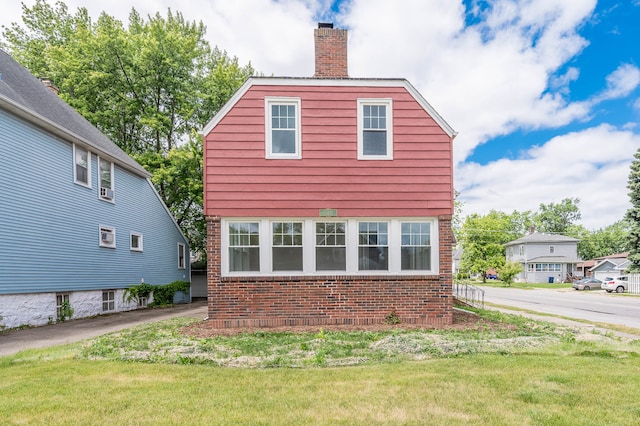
(236, 302)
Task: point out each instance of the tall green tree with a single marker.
(483, 238)
(555, 218)
(149, 86)
(633, 215)
(601, 242)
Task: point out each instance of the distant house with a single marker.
(544, 257)
(606, 266)
(80, 220)
(328, 200)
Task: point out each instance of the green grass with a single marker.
(454, 377)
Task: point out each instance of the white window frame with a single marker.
(388, 103)
(108, 229)
(75, 172)
(110, 302)
(552, 249)
(270, 101)
(309, 246)
(140, 241)
(182, 256)
(104, 193)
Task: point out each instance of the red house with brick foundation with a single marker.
(328, 200)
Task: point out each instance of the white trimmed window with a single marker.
(331, 246)
(416, 246)
(108, 301)
(552, 249)
(181, 256)
(375, 129)
(135, 241)
(62, 305)
(522, 250)
(282, 128)
(107, 237)
(105, 178)
(244, 246)
(345, 246)
(373, 246)
(287, 248)
(81, 166)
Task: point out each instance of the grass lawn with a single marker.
(479, 376)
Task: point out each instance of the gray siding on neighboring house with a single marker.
(539, 262)
(49, 226)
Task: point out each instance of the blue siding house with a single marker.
(80, 221)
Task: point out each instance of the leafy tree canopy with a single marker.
(149, 86)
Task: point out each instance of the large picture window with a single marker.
(331, 246)
(287, 246)
(244, 246)
(375, 132)
(282, 128)
(416, 246)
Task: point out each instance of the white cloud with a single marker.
(621, 82)
(592, 165)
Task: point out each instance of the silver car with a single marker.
(587, 284)
(619, 284)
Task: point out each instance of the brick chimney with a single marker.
(48, 83)
(331, 52)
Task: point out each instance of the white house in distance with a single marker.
(544, 257)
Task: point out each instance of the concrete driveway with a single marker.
(14, 341)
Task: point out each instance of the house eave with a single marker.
(327, 82)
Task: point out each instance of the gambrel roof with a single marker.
(27, 97)
(342, 82)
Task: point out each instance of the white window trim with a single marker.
(102, 228)
(140, 240)
(100, 192)
(109, 292)
(373, 101)
(271, 100)
(75, 177)
(552, 249)
(182, 247)
(309, 245)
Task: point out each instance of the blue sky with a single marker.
(544, 94)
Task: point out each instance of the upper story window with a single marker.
(375, 130)
(522, 250)
(282, 128)
(135, 242)
(81, 166)
(552, 249)
(181, 256)
(106, 179)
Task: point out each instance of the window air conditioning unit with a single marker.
(106, 193)
(107, 237)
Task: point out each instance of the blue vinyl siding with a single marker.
(49, 226)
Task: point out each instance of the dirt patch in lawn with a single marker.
(462, 320)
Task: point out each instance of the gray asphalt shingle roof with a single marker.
(542, 238)
(26, 96)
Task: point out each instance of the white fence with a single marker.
(634, 284)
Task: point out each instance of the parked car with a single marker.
(587, 284)
(619, 284)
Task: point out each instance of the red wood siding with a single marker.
(240, 182)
